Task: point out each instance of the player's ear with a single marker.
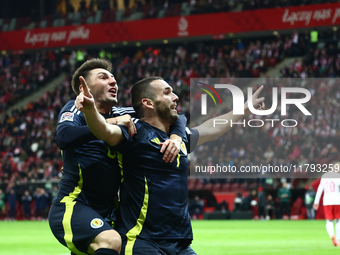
(148, 103)
(81, 88)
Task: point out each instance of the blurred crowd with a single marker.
(36, 10)
(28, 151)
(21, 74)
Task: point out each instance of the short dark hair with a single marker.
(142, 89)
(86, 68)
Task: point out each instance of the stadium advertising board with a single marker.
(196, 25)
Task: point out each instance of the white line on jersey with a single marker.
(75, 111)
(123, 110)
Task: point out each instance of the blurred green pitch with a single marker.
(210, 238)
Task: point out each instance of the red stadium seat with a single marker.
(235, 187)
(244, 186)
(199, 186)
(216, 187)
(252, 186)
(191, 184)
(226, 187)
(208, 186)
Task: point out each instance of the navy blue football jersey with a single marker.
(153, 194)
(90, 172)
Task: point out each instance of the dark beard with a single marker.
(164, 113)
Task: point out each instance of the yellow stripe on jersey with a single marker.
(69, 205)
(156, 140)
(61, 153)
(109, 154)
(137, 229)
(184, 148)
(178, 156)
(120, 164)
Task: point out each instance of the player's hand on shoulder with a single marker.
(124, 120)
(171, 148)
(84, 101)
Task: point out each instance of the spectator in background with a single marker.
(261, 202)
(248, 200)
(37, 200)
(54, 192)
(2, 205)
(309, 201)
(26, 200)
(44, 203)
(12, 204)
(284, 195)
(196, 207)
(83, 9)
(270, 207)
(69, 7)
(238, 202)
(295, 42)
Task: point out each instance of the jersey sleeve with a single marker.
(179, 126)
(72, 129)
(192, 138)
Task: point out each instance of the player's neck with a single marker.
(156, 122)
(103, 108)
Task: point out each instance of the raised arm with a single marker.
(111, 134)
(209, 131)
